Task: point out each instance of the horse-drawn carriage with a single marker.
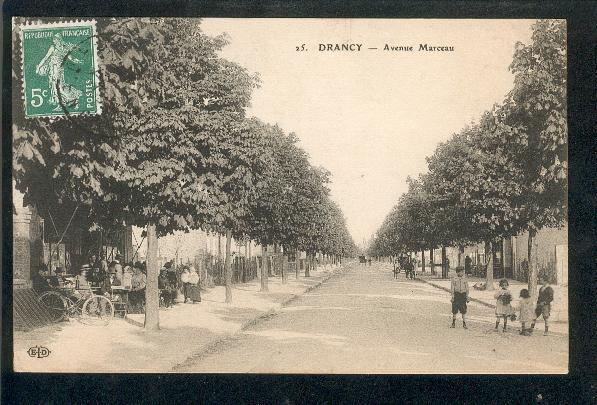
(407, 264)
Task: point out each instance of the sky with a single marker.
(371, 117)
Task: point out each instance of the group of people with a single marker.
(106, 275)
(528, 311)
(408, 265)
(131, 278)
(170, 282)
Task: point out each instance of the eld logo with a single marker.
(38, 351)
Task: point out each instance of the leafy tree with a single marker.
(276, 218)
(480, 190)
(163, 152)
(536, 110)
(313, 203)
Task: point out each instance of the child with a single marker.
(503, 308)
(526, 311)
(543, 304)
(459, 290)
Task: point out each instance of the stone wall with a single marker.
(27, 228)
(548, 262)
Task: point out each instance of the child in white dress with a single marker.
(527, 311)
(503, 306)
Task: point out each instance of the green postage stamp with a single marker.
(59, 68)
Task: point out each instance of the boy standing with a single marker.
(459, 291)
(543, 304)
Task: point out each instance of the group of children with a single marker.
(528, 312)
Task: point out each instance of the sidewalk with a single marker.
(559, 312)
(186, 330)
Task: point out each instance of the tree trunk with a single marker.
(228, 268)
(532, 259)
(264, 269)
(284, 269)
(308, 265)
(152, 293)
(445, 269)
(422, 260)
(432, 262)
(489, 273)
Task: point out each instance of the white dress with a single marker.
(501, 308)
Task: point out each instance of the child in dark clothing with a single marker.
(459, 291)
(543, 305)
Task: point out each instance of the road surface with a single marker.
(365, 321)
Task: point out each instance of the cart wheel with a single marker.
(55, 304)
(97, 310)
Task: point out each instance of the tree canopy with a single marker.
(173, 145)
(501, 176)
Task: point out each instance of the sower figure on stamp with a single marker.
(459, 290)
(52, 65)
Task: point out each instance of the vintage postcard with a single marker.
(253, 195)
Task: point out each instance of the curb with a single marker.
(265, 315)
(212, 346)
(133, 322)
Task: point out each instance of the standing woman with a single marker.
(186, 285)
(194, 288)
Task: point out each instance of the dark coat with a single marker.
(194, 293)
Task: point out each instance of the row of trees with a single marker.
(174, 150)
(499, 177)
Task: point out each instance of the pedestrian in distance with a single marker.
(543, 308)
(526, 311)
(138, 284)
(184, 278)
(116, 268)
(460, 297)
(104, 267)
(167, 293)
(410, 265)
(194, 288)
(468, 265)
(94, 274)
(189, 279)
(503, 306)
